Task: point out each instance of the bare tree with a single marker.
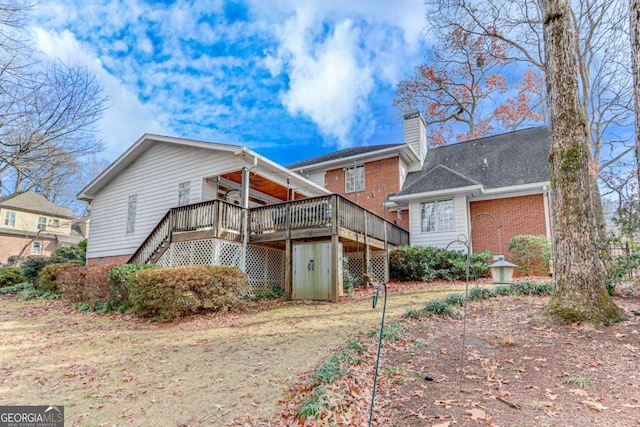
(634, 19)
(48, 112)
(602, 62)
(579, 274)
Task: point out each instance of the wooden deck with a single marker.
(325, 217)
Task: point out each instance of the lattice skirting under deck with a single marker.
(378, 265)
(265, 266)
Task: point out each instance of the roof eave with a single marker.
(402, 149)
(429, 194)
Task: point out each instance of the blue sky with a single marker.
(289, 79)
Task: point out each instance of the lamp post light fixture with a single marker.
(502, 271)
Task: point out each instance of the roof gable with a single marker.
(439, 178)
(34, 202)
(498, 161)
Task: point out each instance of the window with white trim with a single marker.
(42, 223)
(54, 222)
(354, 179)
(36, 248)
(132, 204)
(10, 219)
(437, 216)
(184, 193)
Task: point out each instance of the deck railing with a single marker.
(222, 217)
(215, 215)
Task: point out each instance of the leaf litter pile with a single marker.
(518, 369)
(317, 360)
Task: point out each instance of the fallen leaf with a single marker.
(578, 392)
(477, 414)
(594, 405)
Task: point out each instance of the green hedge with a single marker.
(119, 280)
(32, 267)
(168, 293)
(531, 253)
(10, 276)
(411, 263)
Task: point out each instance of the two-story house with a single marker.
(32, 225)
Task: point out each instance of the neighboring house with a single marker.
(486, 191)
(32, 225)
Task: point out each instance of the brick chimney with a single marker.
(415, 134)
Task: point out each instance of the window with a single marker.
(36, 248)
(354, 179)
(184, 192)
(10, 219)
(437, 216)
(55, 223)
(42, 223)
(131, 213)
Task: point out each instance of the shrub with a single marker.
(454, 299)
(531, 253)
(15, 288)
(32, 267)
(428, 263)
(75, 253)
(86, 284)
(48, 276)
(71, 283)
(476, 293)
(621, 267)
(10, 276)
(275, 291)
(502, 290)
(119, 281)
(439, 307)
(532, 288)
(169, 293)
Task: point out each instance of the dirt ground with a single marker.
(205, 370)
(519, 370)
(516, 369)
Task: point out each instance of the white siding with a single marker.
(154, 177)
(440, 239)
(317, 177)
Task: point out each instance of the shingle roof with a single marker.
(34, 202)
(342, 154)
(504, 160)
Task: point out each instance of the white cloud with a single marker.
(329, 81)
(127, 119)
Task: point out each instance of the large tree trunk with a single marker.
(634, 20)
(580, 291)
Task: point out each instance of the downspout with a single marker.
(245, 204)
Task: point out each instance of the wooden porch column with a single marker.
(335, 272)
(288, 270)
(245, 218)
(366, 252)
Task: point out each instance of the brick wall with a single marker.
(381, 178)
(513, 216)
(12, 245)
(118, 259)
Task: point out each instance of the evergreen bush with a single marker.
(10, 276)
(168, 293)
(425, 263)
